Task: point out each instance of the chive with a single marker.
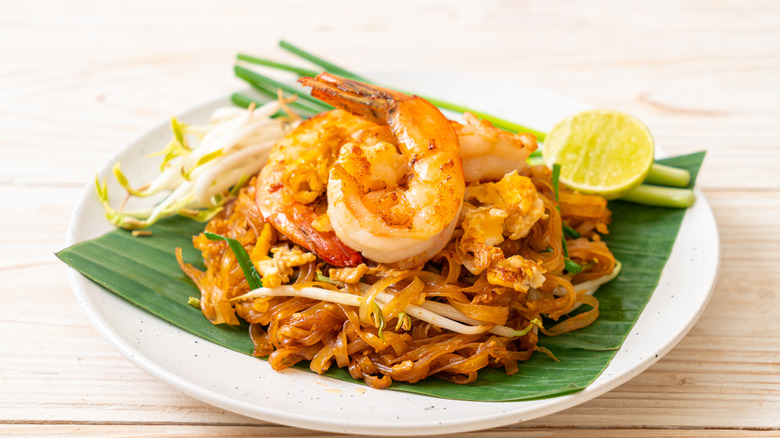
(569, 264)
(324, 279)
(265, 82)
(268, 87)
(302, 105)
(571, 232)
(277, 65)
(333, 68)
(661, 175)
(534, 161)
(243, 101)
(269, 90)
(660, 196)
(328, 66)
(535, 158)
(556, 176)
(252, 277)
(649, 194)
(496, 121)
(299, 105)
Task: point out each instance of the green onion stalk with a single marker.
(570, 265)
(664, 186)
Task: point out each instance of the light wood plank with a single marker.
(81, 79)
(229, 431)
(715, 91)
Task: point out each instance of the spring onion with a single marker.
(571, 232)
(668, 176)
(328, 66)
(556, 176)
(244, 101)
(335, 69)
(660, 196)
(264, 82)
(569, 265)
(659, 174)
(324, 279)
(252, 277)
(276, 65)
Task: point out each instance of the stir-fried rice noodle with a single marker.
(476, 304)
(472, 288)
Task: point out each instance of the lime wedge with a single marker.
(601, 152)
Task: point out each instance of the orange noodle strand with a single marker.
(379, 339)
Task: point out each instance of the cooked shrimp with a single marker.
(398, 201)
(489, 153)
(291, 185)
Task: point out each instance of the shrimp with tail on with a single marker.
(395, 201)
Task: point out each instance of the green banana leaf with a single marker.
(143, 270)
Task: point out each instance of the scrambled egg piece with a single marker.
(475, 254)
(348, 275)
(515, 198)
(307, 175)
(516, 272)
(322, 223)
(484, 224)
(493, 212)
(277, 270)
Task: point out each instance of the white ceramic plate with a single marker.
(301, 399)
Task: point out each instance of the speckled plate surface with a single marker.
(248, 386)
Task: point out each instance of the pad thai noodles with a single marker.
(400, 245)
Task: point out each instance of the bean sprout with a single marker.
(197, 179)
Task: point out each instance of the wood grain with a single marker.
(80, 79)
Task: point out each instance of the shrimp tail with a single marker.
(296, 223)
(369, 101)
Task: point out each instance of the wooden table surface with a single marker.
(80, 79)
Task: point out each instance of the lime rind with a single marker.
(600, 152)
